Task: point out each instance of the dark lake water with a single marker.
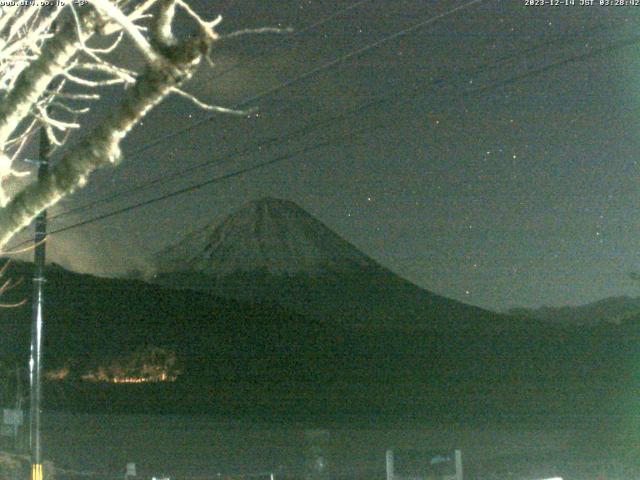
(182, 446)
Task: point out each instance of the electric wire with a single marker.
(217, 179)
(323, 67)
(303, 76)
(378, 101)
(330, 142)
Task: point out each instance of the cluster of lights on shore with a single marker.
(101, 375)
(104, 375)
(153, 365)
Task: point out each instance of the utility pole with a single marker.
(35, 361)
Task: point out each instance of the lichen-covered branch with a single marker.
(34, 80)
(28, 96)
(118, 16)
(102, 146)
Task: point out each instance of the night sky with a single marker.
(501, 171)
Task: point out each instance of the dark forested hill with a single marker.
(237, 356)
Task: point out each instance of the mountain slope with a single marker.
(273, 250)
(238, 357)
(269, 235)
(89, 318)
(609, 310)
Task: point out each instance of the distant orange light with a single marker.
(59, 374)
(160, 378)
(145, 365)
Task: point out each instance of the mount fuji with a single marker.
(269, 235)
(273, 251)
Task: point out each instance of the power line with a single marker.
(546, 45)
(310, 73)
(531, 73)
(218, 179)
(561, 63)
(346, 135)
(238, 65)
(321, 68)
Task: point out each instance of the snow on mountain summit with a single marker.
(273, 251)
(272, 235)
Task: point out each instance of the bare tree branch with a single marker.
(32, 57)
(102, 146)
(34, 80)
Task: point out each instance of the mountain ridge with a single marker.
(273, 250)
(613, 310)
(233, 356)
(269, 234)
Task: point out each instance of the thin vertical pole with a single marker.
(18, 441)
(459, 475)
(390, 466)
(35, 362)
